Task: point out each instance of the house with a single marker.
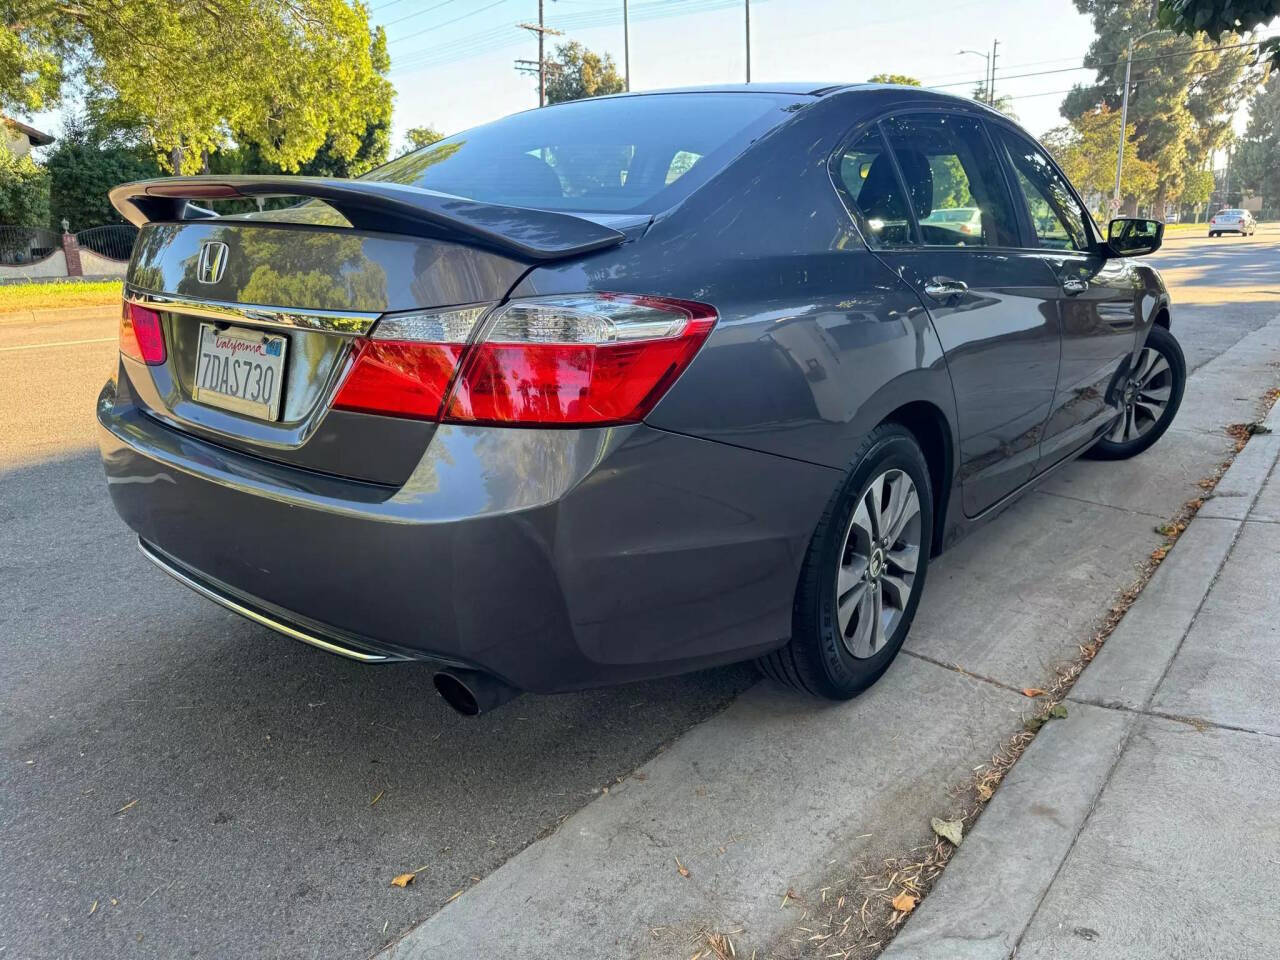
(20, 138)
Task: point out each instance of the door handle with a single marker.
(943, 289)
(1074, 285)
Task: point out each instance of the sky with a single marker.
(453, 61)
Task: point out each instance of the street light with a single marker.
(1124, 115)
(986, 74)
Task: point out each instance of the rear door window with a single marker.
(872, 186)
(635, 154)
(958, 192)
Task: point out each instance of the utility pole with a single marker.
(1124, 116)
(991, 85)
(626, 47)
(541, 29)
(747, 7)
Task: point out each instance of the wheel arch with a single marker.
(929, 424)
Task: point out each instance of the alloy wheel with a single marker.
(878, 563)
(1146, 396)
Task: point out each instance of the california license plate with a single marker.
(240, 369)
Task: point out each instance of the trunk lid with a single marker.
(310, 282)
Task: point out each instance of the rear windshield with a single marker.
(611, 155)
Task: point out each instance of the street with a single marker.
(177, 781)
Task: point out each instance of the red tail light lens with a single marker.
(405, 368)
(573, 361)
(141, 335)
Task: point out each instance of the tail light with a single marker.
(587, 360)
(141, 336)
(574, 361)
(404, 369)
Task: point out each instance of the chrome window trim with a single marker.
(346, 323)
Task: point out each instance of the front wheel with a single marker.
(1151, 396)
(863, 574)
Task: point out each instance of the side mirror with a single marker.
(1131, 237)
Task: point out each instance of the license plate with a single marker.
(241, 370)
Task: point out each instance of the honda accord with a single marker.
(624, 387)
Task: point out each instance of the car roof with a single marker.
(817, 90)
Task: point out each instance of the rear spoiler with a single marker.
(378, 205)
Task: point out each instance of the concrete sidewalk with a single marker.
(767, 804)
(1146, 824)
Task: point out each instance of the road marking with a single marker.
(57, 343)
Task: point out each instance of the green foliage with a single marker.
(31, 59)
(899, 78)
(1182, 95)
(1197, 187)
(290, 76)
(24, 191)
(1003, 102)
(1086, 150)
(1219, 17)
(83, 167)
(1256, 164)
(418, 137)
(574, 73)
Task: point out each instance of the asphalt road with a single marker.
(177, 782)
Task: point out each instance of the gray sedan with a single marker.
(624, 387)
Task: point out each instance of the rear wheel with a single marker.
(864, 572)
(1152, 395)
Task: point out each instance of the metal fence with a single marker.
(114, 241)
(22, 245)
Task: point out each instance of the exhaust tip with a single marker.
(472, 693)
(456, 694)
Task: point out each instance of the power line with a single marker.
(418, 33)
(416, 13)
(1101, 66)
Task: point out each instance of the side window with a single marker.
(953, 178)
(1058, 219)
(866, 170)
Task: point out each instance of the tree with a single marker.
(24, 191)
(1003, 103)
(574, 73)
(1218, 17)
(1182, 93)
(1256, 164)
(1085, 148)
(83, 165)
(418, 137)
(291, 76)
(1197, 187)
(899, 78)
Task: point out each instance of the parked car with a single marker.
(1232, 220)
(966, 221)
(625, 387)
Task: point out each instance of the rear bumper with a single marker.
(554, 559)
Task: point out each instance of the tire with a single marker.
(1159, 377)
(1212, 234)
(835, 650)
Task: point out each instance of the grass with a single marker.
(37, 296)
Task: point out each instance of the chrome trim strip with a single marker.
(259, 618)
(346, 323)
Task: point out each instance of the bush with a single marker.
(81, 171)
(24, 191)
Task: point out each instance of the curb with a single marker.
(988, 895)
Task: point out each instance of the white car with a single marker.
(1232, 221)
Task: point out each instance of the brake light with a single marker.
(404, 369)
(592, 359)
(141, 336)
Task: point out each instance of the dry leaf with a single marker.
(94, 908)
(952, 830)
(984, 792)
(403, 880)
(1032, 692)
(377, 798)
(905, 902)
(681, 868)
(126, 806)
